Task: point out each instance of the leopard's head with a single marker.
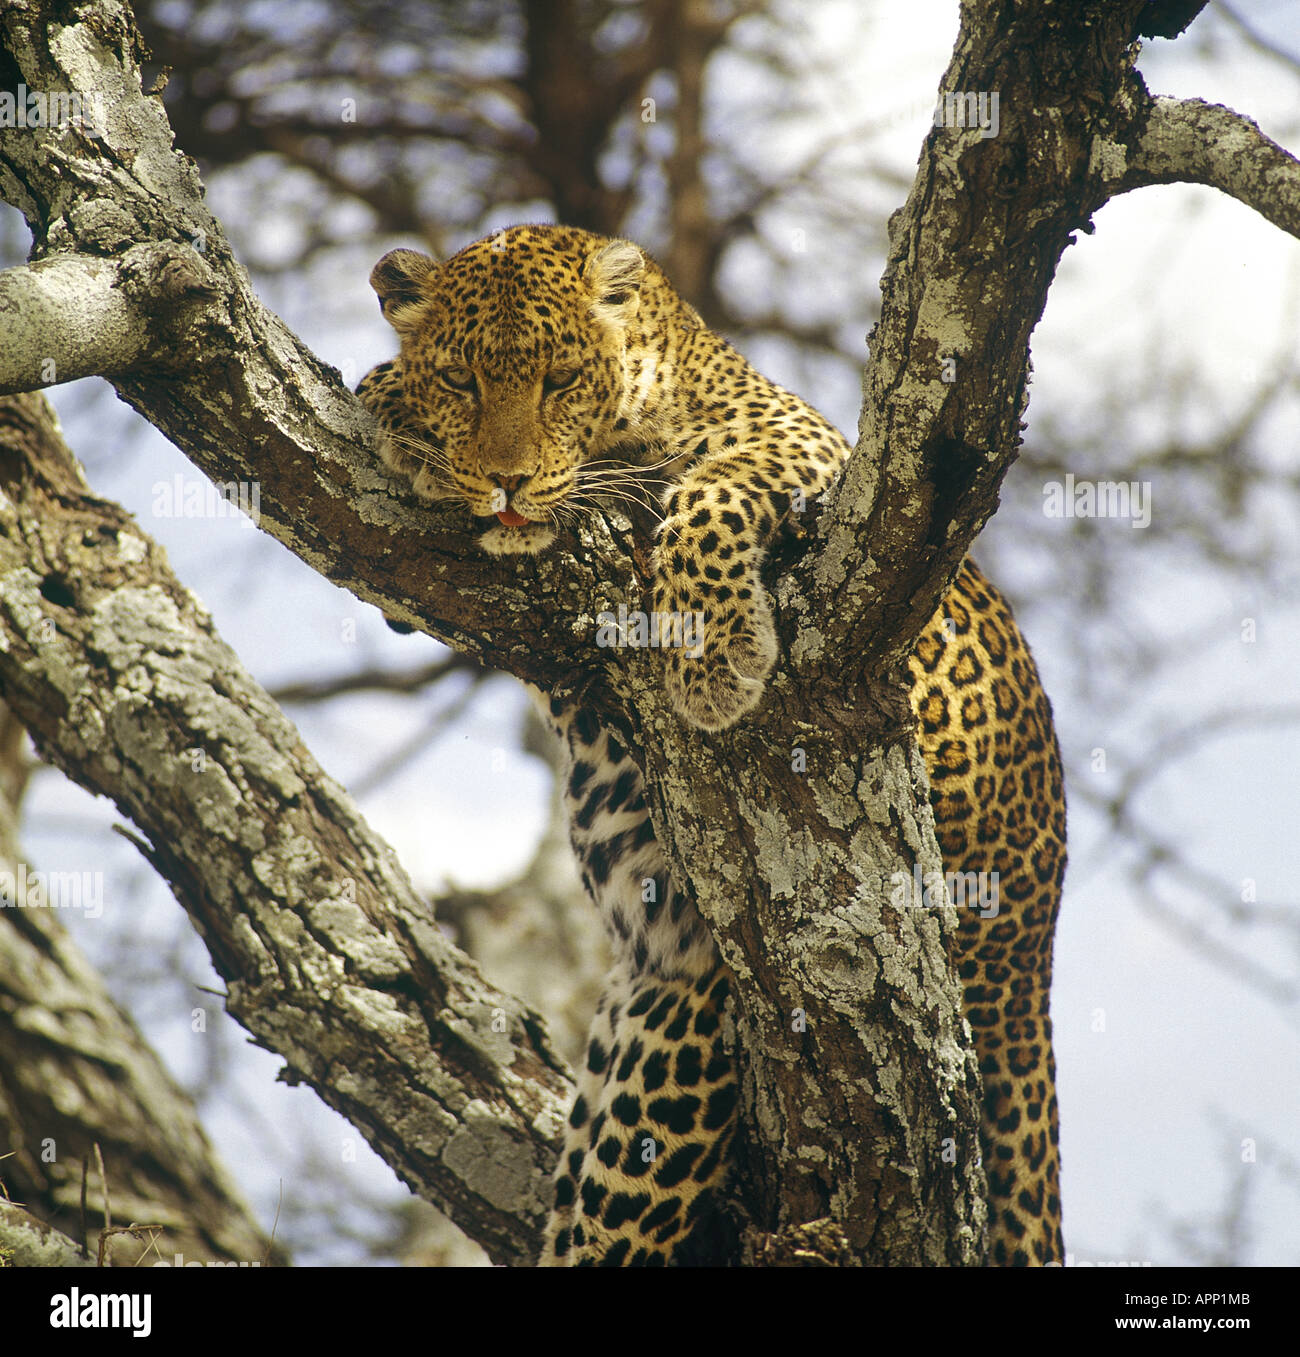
(514, 369)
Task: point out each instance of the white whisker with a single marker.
(641, 494)
(622, 463)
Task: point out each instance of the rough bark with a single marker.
(27, 1241)
(850, 1105)
(330, 957)
(85, 1104)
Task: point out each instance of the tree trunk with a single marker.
(787, 829)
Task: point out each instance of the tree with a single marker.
(114, 671)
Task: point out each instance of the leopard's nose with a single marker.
(511, 483)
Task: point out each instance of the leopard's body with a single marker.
(531, 364)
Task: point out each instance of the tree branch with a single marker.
(1187, 141)
(76, 1077)
(77, 315)
(331, 958)
(789, 867)
(374, 681)
(28, 1241)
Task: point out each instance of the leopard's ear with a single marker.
(613, 277)
(398, 280)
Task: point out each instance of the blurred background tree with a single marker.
(757, 150)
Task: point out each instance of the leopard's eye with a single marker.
(459, 379)
(560, 379)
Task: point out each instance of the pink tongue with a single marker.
(511, 519)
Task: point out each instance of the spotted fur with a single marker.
(539, 369)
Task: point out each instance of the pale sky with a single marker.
(1166, 1062)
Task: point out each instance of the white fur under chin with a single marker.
(524, 541)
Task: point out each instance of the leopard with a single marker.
(532, 362)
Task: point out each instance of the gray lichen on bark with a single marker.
(791, 868)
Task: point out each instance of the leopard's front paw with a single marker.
(716, 676)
